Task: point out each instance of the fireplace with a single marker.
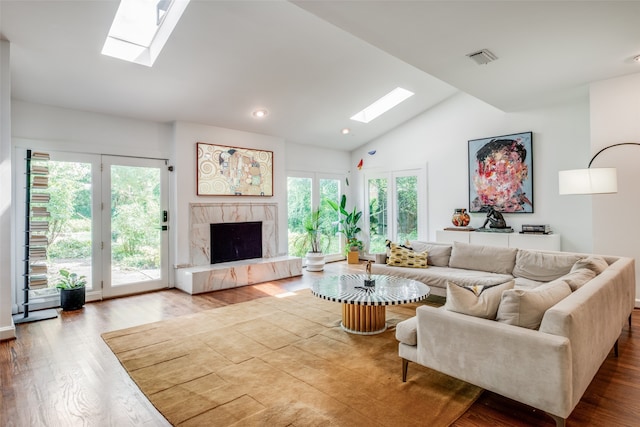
(235, 241)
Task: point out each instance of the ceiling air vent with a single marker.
(482, 57)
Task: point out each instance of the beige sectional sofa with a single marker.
(533, 326)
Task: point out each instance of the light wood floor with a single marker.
(59, 372)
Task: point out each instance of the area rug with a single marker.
(283, 362)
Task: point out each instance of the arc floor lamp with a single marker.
(590, 180)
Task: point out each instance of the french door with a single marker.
(134, 225)
(108, 220)
(396, 207)
(307, 191)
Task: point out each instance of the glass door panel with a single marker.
(134, 225)
(71, 226)
(330, 190)
(406, 207)
(298, 210)
(377, 199)
(71, 220)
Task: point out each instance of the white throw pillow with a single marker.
(526, 308)
(466, 301)
(594, 263)
(577, 278)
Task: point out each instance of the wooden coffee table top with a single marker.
(388, 290)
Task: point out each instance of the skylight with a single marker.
(141, 28)
(382, 105)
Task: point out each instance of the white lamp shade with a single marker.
(588, 181)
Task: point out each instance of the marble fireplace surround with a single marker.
(202, 276)
(203, 214)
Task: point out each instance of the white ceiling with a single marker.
(313, 64)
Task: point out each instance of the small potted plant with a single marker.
(349, 228)
(72, 290)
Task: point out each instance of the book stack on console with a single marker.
(536, 229)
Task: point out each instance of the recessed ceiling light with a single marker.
(345, 131)
(637, 58)
(141, 28)
(382, 105)
(260, 113)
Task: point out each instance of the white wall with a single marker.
(54, 128)
(439, 139)
(186, 135)
(615, 118)
(307, 158)
(7, 329)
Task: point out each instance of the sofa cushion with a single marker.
(407, 331)
(526, 308)
(401, 256)
(543, 267)
(576, 278)
(523, 283)
(484, 258)
(596, 264)
(464, 300)
(438, 253)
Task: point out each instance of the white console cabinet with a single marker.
(547, 242)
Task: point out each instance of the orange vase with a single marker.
(460, 217)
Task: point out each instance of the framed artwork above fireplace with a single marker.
(233, 171)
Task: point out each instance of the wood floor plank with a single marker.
(59, 372)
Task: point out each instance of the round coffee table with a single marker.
(364, 307)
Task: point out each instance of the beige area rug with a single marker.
(283, 362)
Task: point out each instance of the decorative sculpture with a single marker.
(494, 219)
(368, 281)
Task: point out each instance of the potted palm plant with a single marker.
(349, 228)
(312, 239)
(72, 290)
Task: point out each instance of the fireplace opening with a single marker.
(235, 241)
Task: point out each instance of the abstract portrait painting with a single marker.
(501, 173)
(233, 171)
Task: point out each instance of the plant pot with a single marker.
(353, 257)
(315, 261)
(72, 299)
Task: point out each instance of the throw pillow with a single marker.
(596, 264)
(401, 256)
(577, 278)
(543, 267)
(481, 304)
(526, 308)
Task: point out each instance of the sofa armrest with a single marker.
(525, 365)
(592, 318)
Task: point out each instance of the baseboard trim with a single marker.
(7, 333)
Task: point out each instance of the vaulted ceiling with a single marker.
(313, 64)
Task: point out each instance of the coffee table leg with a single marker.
(364, 319)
